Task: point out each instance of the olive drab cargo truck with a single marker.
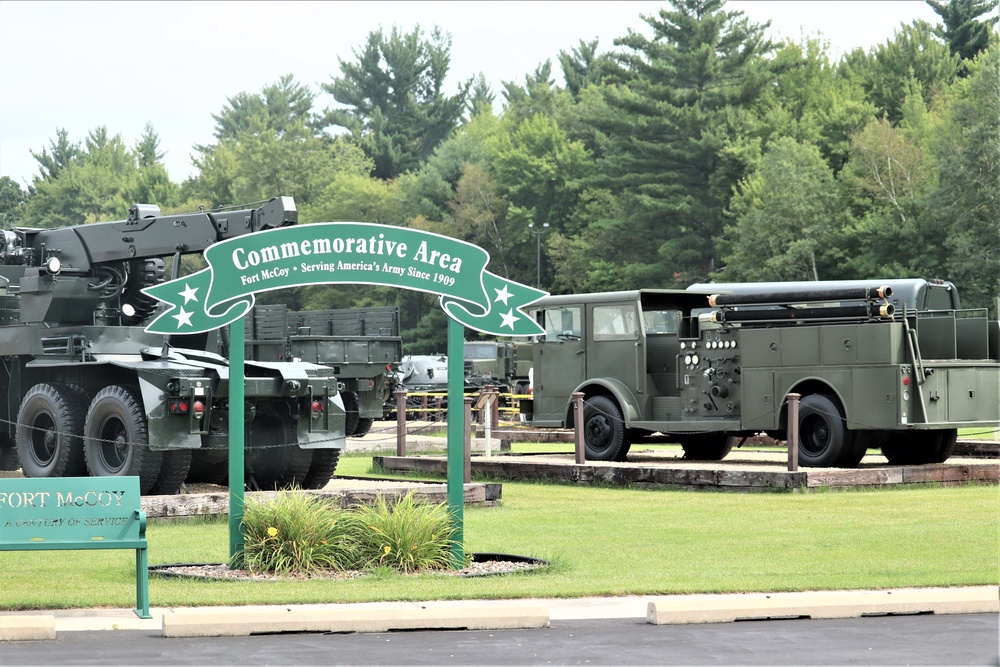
(88, 391)
(361, 346)
(893, 364)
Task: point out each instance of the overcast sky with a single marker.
(79, 65)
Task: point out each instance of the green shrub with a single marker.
(408, 537)
(297, 533)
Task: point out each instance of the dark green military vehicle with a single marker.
(503, 364)
(896, 364)
(361, 346)
(88, 391)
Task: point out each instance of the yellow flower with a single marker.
(272, 531)
(387, 549)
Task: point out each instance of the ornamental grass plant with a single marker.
(298, 533)
(408, 537)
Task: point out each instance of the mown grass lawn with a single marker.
(600, 541)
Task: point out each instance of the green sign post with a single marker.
(335, 253)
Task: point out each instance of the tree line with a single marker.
(700, 151)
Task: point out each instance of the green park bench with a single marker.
(77, 513)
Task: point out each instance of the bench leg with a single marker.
(142, 584)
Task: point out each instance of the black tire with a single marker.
(8, 453)
(273, 459)
(324, 464)
(116, 437)
(919, 447)
(949, 438)
(603, 429)
(49, 432)
(173, 471)
(364, 426)
(823, 435)
(352, 409)
(851, 456)
(141, 273)
(707, 447)
(208, 466)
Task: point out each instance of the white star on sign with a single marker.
(508, 319)
(183, 317)
(502, 295)
(189, 293)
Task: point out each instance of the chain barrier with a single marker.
(436, 426)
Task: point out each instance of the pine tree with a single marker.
(668, 129)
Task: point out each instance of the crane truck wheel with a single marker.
(116, 438)
(823, 436)
(173, 472)
(603, 429)
(49, 429)
(324, 464)
(273, 459)
(352, 406)
(208, 466)
(8, 453)
(363, 427)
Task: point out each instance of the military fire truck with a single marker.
(895, 364)
(88, 391)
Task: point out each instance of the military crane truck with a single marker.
(895, 364)
(88, 391)
(362, 346)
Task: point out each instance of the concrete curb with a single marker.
(243, 621)
(27, 628)
(687, 609)
(498, 614)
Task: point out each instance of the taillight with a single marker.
(198, 409)
(317, 409)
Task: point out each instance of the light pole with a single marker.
(538, 259)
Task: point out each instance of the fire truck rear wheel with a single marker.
(823, 436)
(707, 447)
(949, 438)
(603, 429)
(851, 456)
(49, 426)
(116, 439)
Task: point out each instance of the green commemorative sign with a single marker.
(344, 252)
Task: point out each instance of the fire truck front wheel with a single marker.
(604, 430)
